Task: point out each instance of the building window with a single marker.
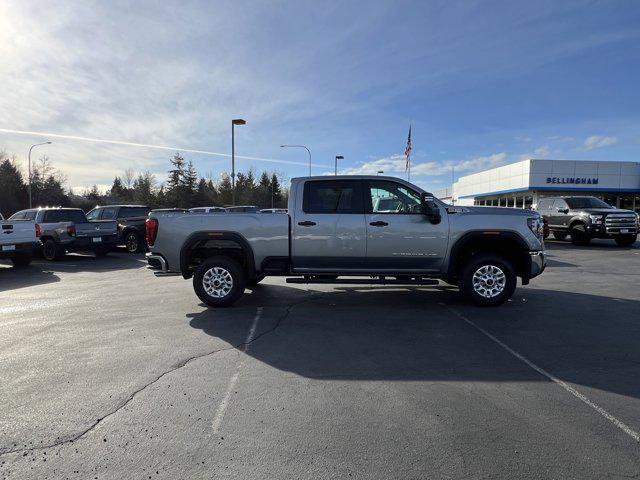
(528, 202)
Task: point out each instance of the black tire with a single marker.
(473, 290)
(133, 242)
(252, 282)
(226, 265)
(51, 251)
(560, 235)
(579, 235)
(102, 251)
(626, 240)
(22, 259)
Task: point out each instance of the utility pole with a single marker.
(338, 157)
(237, 121)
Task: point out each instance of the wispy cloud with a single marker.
(396, 164)
(599, 141)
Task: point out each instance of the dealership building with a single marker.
(522, 184)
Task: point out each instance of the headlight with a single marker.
(596, 218)
(536, 226)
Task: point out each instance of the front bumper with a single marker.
(538, 262)
(600, 230)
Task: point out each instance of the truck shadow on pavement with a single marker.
(41, 272)
(416, 334)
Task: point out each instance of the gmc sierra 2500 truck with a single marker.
(382, 228)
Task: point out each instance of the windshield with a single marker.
(586, 202)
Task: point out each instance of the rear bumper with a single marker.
(19, 248)
(87, 243)
(159, 265)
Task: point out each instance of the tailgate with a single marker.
(96, 229)
(12, 232)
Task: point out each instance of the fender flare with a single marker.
(215, 235)
(472, 235)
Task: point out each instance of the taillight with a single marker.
(152, 230)
(37, 230)
(71, 230)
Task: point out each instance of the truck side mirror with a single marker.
(430, 208)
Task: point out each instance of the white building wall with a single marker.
(531, 175)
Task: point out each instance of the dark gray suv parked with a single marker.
(584, 218)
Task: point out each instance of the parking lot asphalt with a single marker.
(110, 372)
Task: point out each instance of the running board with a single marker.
(365, 281)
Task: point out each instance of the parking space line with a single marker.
(224, 403)
(621, 425)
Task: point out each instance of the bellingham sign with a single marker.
(573, 180)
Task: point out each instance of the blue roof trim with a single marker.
(555, 189)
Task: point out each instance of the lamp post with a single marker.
(300, 146)
(31, 148)
(338, 157)
(237, 121)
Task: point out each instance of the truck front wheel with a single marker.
(488, 280)
(219, 281)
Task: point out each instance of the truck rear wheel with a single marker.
(51, 251)
(488, 280)
(133, 242)
(219, 281)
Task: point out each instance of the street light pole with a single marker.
(31, 148)
(237, 121)
(338, 157)
(300, 146)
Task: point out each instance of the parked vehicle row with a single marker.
(339, 226)
(62, 230)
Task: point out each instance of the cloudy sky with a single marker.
(482, 83)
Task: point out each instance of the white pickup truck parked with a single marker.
(382, 228)
(17, 241)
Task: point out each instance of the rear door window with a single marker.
(54, 216)
(108, 213)
(94, 214)
(131, 212)
(327, 197)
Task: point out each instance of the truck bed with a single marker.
(268, 235)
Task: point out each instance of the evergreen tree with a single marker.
(278, 198)
(14, 194)
(117, 191)
(175, 181)
(225, 190)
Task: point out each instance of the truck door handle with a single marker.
(306, 223)
(379, 223)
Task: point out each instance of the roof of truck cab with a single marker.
(120, 206)
(357, 177)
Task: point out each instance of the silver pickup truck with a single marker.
(365, 228)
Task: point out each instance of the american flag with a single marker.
(407, 151)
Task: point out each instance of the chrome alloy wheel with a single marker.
(489, 281)
(132, 243)
(217, 282)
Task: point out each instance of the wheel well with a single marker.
(506, 246)
(199, 249)
(576, 222)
